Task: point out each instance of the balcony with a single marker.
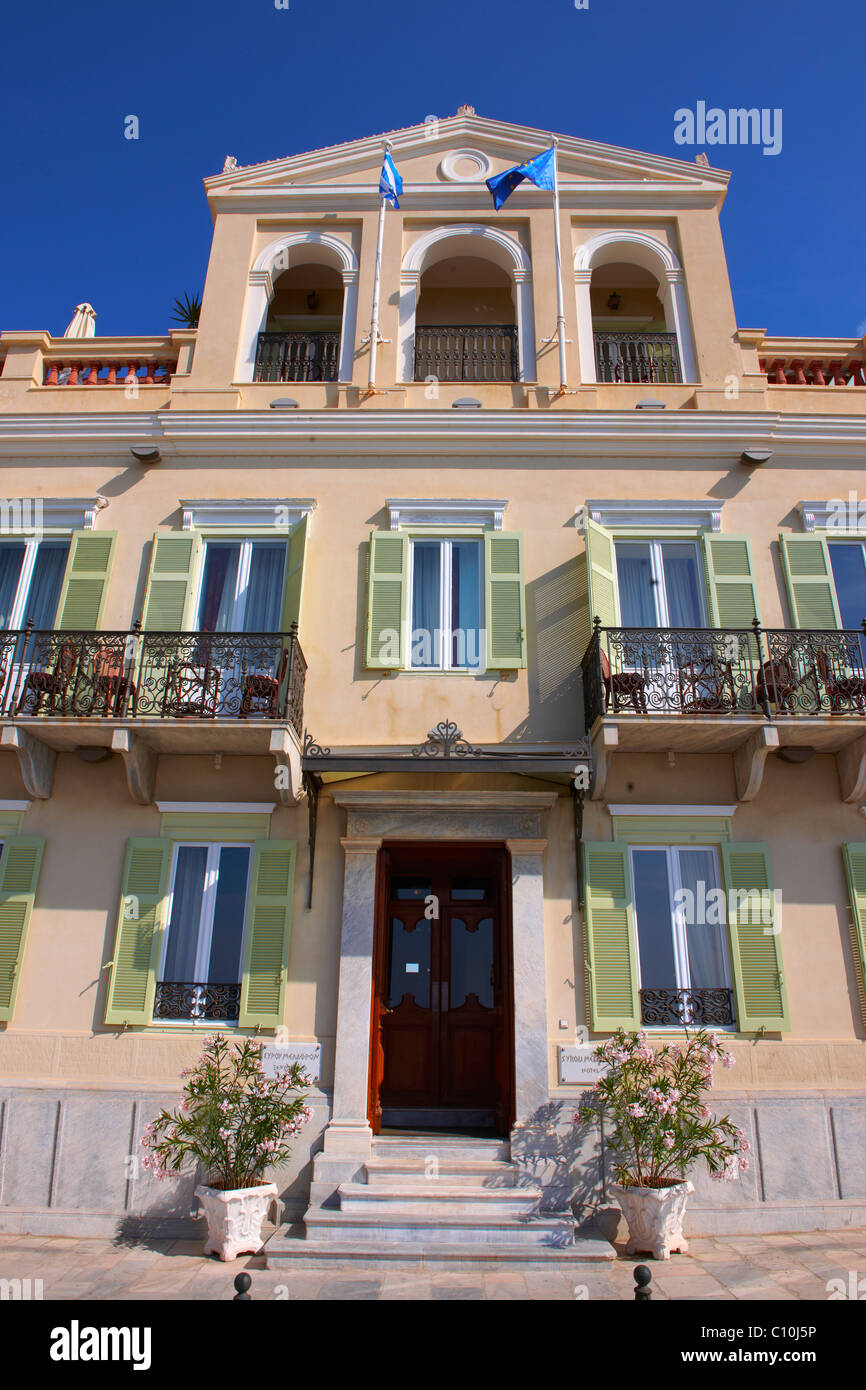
(146, 693)
(691, 1008)
(297, 357)
(745, 691)
(467, 353)
(637, 358)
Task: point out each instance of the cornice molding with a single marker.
(840, 514)
(446, 511)
(707, 516)
(27, 515)
(677, 436)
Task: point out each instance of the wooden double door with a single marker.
(442, 1021)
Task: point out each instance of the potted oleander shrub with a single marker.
(657, 1122)
(232, 1123)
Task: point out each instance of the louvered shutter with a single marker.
(755, 937)
(809, 582)
(855, 869)
(85, 582)
(20, 862)
(387, 599)
(173, 567)
(266, 950)
(611, 961)
(138, 937)
(505, 617)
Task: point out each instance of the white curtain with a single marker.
(264, 605)
(185, 914)
(706, 939)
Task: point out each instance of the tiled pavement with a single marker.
(718, 1267)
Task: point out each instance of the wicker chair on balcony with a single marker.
(112, 685)
(776, 684)
(260, 691)
(191, 692)
(706, 686)
(841, 689)
(622, 687)
(51, 684)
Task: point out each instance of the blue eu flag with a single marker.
(539, 171)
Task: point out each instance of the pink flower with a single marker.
(637, 1111)
(728, 1061)
(668, 1141)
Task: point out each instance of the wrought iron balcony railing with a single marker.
(774, 672)
(197, 1001)
(699, 1008)
(297, 357)
(155, 675)
(637, 357)
(467, 353)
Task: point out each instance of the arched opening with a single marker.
(632, 311)
(466, 322)
(466, 307)
(301, 337)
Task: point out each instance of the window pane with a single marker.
(471, 962)
(426, 615)
(264, 605)
(471, 889)
(411, 889)
(183, 927)
(682, 585)
(45, 584)
(219, 581)
(705, 923)
(466, 604)
(11, 560)
(849, 572)
(636, 601)
(224, 966)
(652, 901)
(410, 963)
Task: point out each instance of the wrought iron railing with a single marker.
(467, 353)
(162, 675)
(174, 1000)
(637, 357)
(775, 672)
(700, 1008)
(297, 357)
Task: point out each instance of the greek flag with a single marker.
(539, 171)
(390, 183)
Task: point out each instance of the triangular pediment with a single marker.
(430, 153)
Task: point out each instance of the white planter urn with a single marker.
(655, 1218)
(234, 1219)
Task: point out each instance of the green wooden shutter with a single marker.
(731, 581)
(266, 952)
(505, 617)
(173, 567)
(139, 932)
(19, 873)
(611, 959)
(82, 596)
(809, 582)
(602, 581)
(295, 574)
(387, 599)
(756, 948)
(855, 869)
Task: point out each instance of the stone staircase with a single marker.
(440, 1199)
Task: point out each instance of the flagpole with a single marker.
(377, 277)
(560, 307)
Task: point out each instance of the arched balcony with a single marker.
(632, 313)
(466, 308)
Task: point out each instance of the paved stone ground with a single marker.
(718, 1267)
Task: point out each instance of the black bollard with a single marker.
(642, 1278)
(242, 1284)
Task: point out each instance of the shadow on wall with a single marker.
(555, 623)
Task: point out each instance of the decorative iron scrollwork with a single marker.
(313, 749)
(178, 1000)
(696, 1007)
(446, 741)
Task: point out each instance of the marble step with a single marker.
(285, 1251)
(455, 1172)
(400, 1200)
(476, 1229)
(443, 1147)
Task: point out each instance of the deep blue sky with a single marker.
(89, 215)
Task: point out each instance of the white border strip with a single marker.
(206, 807)
(685, 810)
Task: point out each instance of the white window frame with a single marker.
(679, 925)
(860, 543)
(205, 923)
(446, 632)
(242, 582)
(659, 587)
(28, 564)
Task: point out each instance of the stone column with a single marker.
(349, 1131)
(530, 992)
(585, 340)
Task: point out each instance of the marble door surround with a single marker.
(513, 818)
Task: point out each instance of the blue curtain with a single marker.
(264, 605)
(224, 966)
(11, 560)
(426, 621)
(219, 581)
(466, 603)
(636, 602)
(45, 584)
(682, 586)
(706, 939)
(186, 904)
